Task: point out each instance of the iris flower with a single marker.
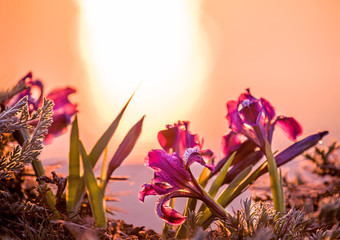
(63, 109)
(34, 90)
(177, 138)
(252, 121)
(255, 119)
(173, 178)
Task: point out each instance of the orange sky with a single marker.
(203, 55)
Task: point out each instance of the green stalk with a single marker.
(219, 180)
(95, 193)
(192, 202)
(205, 220)
(275, 183)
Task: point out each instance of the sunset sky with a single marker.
(190, 58)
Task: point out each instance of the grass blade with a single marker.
(124, 148)
(219, 180)
(105, 138)
(95, 194)
(74, 169)
(103, 172)
(221, 176)
(225, 195)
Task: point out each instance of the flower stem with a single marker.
(208, 200)
(275, 183)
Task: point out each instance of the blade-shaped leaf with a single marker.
(74, 168)
(96, 195)
(225, 195)
(218, 181)
(125, 148)
(103, 172)
(105, 138)
(221, 176)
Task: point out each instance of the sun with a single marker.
(153, 44)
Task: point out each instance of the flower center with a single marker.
(188, 152)
(245, 103)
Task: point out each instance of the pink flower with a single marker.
(178, 138)
(255, 119)
(173, 178)
(34, 91)
(63, 109)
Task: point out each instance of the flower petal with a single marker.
(34, 90)
(58, 127)
(268, 109)
(231, 142)
(169, 138)
(189, 140)
(147, 190)
(169, 168)
(235, 121)
(60, 97)
(290, 126)
(63, 110)
(168, 214)
(246, 95)
(193, 155)
(251, 112)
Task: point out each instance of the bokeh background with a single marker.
(189, 58)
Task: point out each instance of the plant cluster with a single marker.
(251, 126)
(76, 209)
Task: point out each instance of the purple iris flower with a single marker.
(63, 110)
(255, 119)
(173, 178)
(34, 90)
(177, 138)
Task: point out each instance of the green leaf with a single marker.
(96, 195)
(233, 185)
(103, 172)
(225, 195)
(221, 176)
(105, 138)
(124, 148)
(74, 170)
(219, 180)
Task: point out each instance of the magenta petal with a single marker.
(251, 112)
(196, 157)
(169, 168)
(168, 214)
(246, 95)
(147, 190)
(189, 140)
(169, 138)
(231, 142)
(290, 126)
(235, 121)
(268, 109)
(60, 97)
(58, 127)
(34, 90)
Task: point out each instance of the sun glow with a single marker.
(154, 43)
